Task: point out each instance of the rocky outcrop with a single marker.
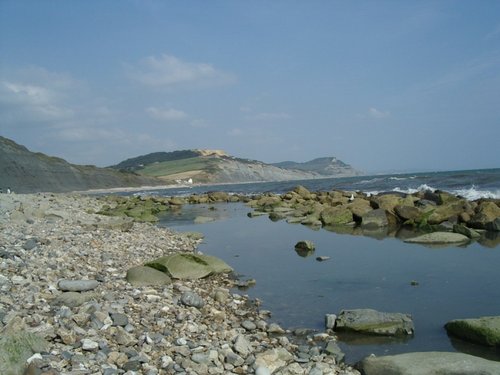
(384, 214)
(483, 331)
(428, 363)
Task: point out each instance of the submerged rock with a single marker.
(428, 363)
(369, 321)
(484, 330)
(439, 238)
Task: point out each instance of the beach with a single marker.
(105, 325)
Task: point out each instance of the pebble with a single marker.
(72, 291)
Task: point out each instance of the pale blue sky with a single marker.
(383, 85)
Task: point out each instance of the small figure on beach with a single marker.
(351, 198)
(8, 190)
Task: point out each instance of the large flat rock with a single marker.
(428, 363)
(372, 322)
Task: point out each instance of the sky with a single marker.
(382, 85)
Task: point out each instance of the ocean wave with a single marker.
(468, 193)
(472, 193)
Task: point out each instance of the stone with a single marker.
(242, 346)
(339, 215)
(305, 245)
(408, 213)
(119, 319)
(369, 321)
(330, 321)
(377, 218)
(30, 244)
(483, 331)
(333, 349)
(249, 325)
(462, 229)
(428, 363)
(322, 258)
(190, 266)
(273, 359)
(493, 226)
(302, 192)
(192, 299)
(89, 345)
(439, 238)
(77, 285)
(485, 213)
(203, 219)
(73, 299)
(142, 276)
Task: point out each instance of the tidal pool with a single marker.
(361, 272)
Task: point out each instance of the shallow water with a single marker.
(362, 272)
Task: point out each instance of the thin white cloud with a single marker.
(377, 113)
(166, 114)
(170, 71)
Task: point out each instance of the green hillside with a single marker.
(167, 168)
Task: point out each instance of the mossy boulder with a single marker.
(484, 331)
(378, 218)
(190, 266)
(447, 212)
(336, 216)
(302, 192)
(142, 275)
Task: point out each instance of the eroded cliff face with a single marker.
(26, 172)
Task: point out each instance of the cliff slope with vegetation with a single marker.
(216, 166)
(24, 171)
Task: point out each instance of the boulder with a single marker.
(493, 226)
(369, 321)
(428, 363)
(190, 266)
(449, 211)
(484, 331)
(302, 192)
(486, 212)
(378, 218)
(359, 207)
(439, 238)
(218, 196)
(304, 248)
(73, 299)
(142, 275)
(336, 216)
(408, 213)
(273, 359)
(462, 229)
(386, 201)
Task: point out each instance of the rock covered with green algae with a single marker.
(190, 266)
(484, 330)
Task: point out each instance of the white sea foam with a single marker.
(472, 193)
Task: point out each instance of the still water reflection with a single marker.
(361, 272)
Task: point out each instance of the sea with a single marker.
(433, 285)
(470, 184)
